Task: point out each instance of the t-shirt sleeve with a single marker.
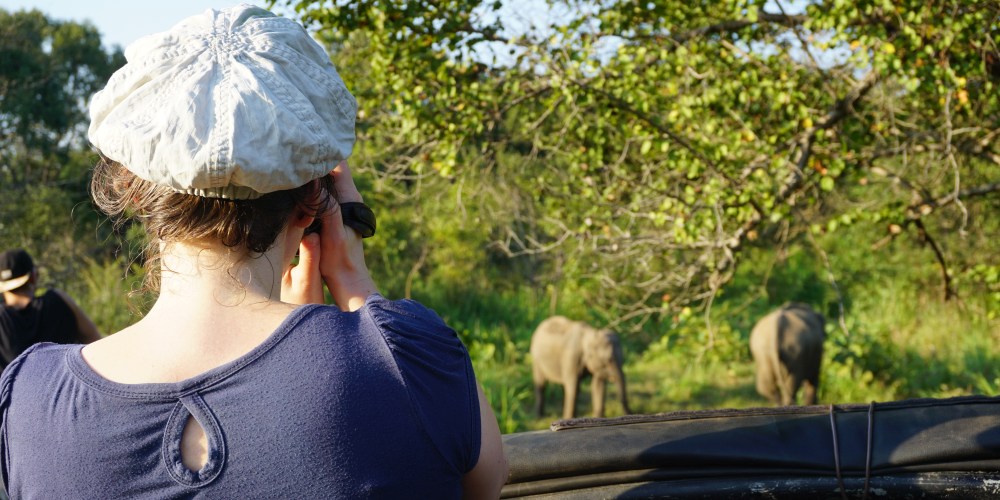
(6, 386)
(437, 371)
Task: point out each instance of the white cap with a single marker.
(231, 103)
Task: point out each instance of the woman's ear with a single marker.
(302, 218)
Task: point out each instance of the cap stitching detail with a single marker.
(222, 129)
(342, 97)
(299, 109)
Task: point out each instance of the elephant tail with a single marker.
(779, 364)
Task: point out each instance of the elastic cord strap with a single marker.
(359, 217)
(868, 451)
(836, 454)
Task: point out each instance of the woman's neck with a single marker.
(215, 305)
(213, 274)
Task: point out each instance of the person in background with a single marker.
(27, 319)
(226, 138)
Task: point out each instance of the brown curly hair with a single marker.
(167, 215)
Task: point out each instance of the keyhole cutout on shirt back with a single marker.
(194, 448)
(194, 445)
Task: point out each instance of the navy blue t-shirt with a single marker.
(379, 403)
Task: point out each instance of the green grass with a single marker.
(902, 345)
(909, 346)
(903, 342)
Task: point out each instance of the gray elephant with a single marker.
(564, 351)
(787, 346)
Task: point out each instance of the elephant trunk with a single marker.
(620, 380)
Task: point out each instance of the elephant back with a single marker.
(814, 321)
(558, 340)
(800, 332)
(801, 324)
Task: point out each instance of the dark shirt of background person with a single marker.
(26, 319)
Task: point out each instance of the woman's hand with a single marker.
(341, 256)
(302, 283)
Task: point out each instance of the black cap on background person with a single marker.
(16, 268)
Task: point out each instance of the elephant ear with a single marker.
(598, 350)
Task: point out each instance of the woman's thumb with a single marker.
(309, 251)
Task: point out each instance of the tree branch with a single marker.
(729, 26)
(841, 110)
(917, 210)
(842, 315)
(967, 193)
(652, 122)
(949, 292)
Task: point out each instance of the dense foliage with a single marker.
(640, 147)
(674, 169)
(48, 70)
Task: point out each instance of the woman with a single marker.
(219, 137)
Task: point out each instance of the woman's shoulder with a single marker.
(419, 338)
(37, 366)
(433, 362)
(400, 309)
(45, 354)
(406, 318)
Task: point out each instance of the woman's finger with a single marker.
(344, 183)
(342, 254)
(303, 283)
(309, 252)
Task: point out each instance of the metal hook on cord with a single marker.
(868, 449)
(836, 453)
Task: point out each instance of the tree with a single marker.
(648, 143)
(48, 70)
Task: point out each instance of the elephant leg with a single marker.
(767, 386)
(539, 399)
(808, 392)
(791, 390)
(598, 385)
(539, 382)
(622, 393)
(571, 386)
